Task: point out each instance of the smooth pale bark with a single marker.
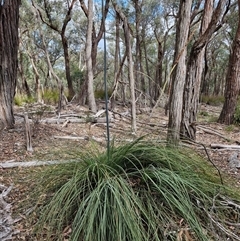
(179, 72)
(96, 37)
(36, 77)
(9, 22)
(91, 98)
(116, 62)
(195, 66)
(232, 80)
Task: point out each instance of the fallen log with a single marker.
(212, 132)
(221, 146)
(5, 165)
(86, 138)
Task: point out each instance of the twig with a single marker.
(213, 132)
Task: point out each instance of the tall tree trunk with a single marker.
(149, 90)
(67, 19)
(179, 72)
(232, 80)
(9, 22)
(137, 45)
(96, 37)
(91, 98)
(130, 65)
(25, 86)
(71, 92)
(158, 71)
(37, 78)
(195, 68)
(116, 61)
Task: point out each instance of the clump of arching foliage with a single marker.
(138, 191)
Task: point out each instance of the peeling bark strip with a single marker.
(9, 21)
(28, 133)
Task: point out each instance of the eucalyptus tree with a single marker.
(215, 58)
(209, 23)
(51, 13)
(179, 71)
(232, 79)
(163, 25)
(128, 50)
(96, 36)
(29, 49)
(35, 40)
(138, 63)
(91, 99)
(9, 22)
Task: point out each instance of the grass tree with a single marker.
(137, 191)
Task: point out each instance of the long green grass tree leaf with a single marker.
(139, 191)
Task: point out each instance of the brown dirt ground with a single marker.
(46, 147)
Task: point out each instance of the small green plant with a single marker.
(203, 113)
(20, 99)
(100, 94)
(214, 100)
(229, 128)
(212, 119)
(51, 96)
(237, 113)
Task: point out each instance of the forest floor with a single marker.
(61, 137)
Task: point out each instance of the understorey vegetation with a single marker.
(137, 191)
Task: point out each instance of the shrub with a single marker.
(203, 113)
(138, 191)
(20, 99)
(100, 94)
(50, 96)
(237, 113)
(214, 100)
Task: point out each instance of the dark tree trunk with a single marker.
(149, 91)
(232, 80)
(24, 86)
(9, 22)
(67, 19)
(158, 73)
(67, 67)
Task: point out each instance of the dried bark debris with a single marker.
(6, 220)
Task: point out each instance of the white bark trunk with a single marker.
(91, 98)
